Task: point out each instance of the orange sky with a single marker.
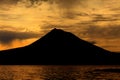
(92, 20)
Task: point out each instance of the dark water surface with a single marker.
(41, 72)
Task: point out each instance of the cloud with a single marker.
(110, 32)
(67, 3)
(67, 7)
(97, 18)
(11, 28)
(7, 37)
(14, 2)
(9, 2)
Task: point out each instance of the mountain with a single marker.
(58, 47)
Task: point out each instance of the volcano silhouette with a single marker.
(57, 47)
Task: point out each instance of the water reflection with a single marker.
(59, 72)
(103, 74)
(80, 73)
(6, 71)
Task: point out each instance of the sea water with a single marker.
(59, 72)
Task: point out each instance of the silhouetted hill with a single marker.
(58, 47)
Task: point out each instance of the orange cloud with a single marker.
(6, 37)
(17, 43)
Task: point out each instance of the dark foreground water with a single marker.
(40, 72)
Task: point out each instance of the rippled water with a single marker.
(39, 72)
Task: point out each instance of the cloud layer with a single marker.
(7, 37)
(110, 32)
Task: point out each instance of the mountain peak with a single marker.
(55, 29)
(61, 47)
(57, 37)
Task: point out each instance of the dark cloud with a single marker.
(97, 18)
(13, 2)
(7, 37)
(67, 3)
(4, 27)
(9, 1)
(116, 15)
(36, 1)
(6, 4)
(103, 32)
(67, 7)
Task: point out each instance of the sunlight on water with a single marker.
(37, 72)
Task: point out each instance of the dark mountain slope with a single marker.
(57, 47)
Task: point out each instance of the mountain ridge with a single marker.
(58, 47)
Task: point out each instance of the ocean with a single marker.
(59, 72)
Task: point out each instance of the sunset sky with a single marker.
(24, 21)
